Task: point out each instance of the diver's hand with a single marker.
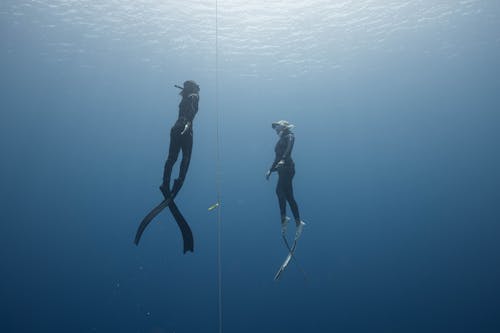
(280, 164)
(186, 127)
(268, 173)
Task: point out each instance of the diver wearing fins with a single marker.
(285, 167)
(181, 138)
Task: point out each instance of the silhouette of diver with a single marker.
(181, 139)
(285, 167)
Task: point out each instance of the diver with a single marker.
(285, 167)
(181, 138)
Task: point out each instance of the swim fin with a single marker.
(287, 259)
(187, 234)
(149, 217)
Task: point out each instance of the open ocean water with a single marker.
(397, 112)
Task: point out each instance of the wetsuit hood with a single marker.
(191, 86)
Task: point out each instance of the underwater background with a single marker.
(397, 112)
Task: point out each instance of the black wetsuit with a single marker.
(181, 138)
(286, 171)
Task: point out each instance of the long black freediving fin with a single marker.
(187, 235)
(148, 218)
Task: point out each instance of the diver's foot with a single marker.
(284, 224)
(300, 225)
(164, 190)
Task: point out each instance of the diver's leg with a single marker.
(290, 197)
(173, 153)
(187, 147)
(281, 195)
(280, 192)
(293, 204)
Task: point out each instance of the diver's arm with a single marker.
(275, 164)
(193, 107)
(272, 168)
(288, 150)
(280, 159)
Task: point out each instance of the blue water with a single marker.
(397, 113)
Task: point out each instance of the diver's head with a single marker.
(190, 87)
(282, 126)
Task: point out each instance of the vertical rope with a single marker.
(218, 167)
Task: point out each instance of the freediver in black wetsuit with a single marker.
(285, 167)
(181, 138)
